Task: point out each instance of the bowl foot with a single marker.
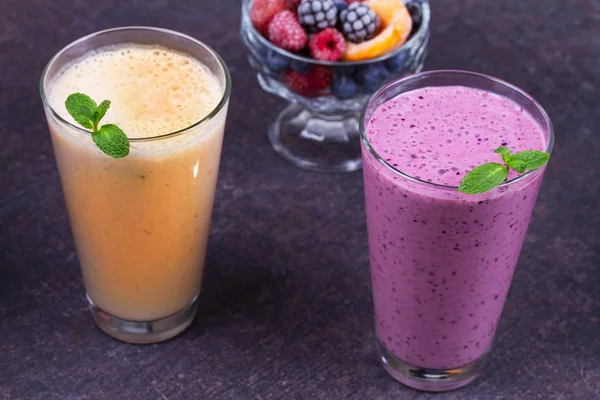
(317, 142)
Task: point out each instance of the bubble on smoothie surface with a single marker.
(153, 90)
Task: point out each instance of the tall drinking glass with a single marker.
(441, 260)
(140, 223)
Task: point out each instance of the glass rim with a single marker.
(409, 43)
(220, 105)
(416, 77)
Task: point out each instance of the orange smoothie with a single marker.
(141, 223)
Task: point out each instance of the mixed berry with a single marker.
(316, 15)
(327, 45)
(286, 32)
(333, 31)
(359, 22)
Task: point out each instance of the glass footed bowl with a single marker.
(318, 131)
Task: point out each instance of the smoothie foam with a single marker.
(442, 261)
(153, 90)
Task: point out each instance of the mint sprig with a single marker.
(489, 175)
(109, 138)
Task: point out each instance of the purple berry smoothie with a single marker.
(442, 261)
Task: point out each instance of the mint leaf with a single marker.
(82, 108)
(517, 165)
(533, 159)
(111, 140)
(504, 152)
(487, 176)
(101, 112)
(483, 178)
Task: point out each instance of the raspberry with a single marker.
(310, 85)
(327, 45)
(263, 11)
(285, 31)
(296, 82)
(320, 77)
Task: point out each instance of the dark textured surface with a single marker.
(286, 308)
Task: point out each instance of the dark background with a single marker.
(286, 310)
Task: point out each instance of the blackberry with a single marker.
(359, 22)
(316, 15)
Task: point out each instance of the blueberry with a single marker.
(396, 63)
(340, 4)
(344, 87)
(345, 70)
(301, 67)
(371, 76)
(276, 62)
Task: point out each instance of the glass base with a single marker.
(429, 380)
(315, 141)
(144, 332)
